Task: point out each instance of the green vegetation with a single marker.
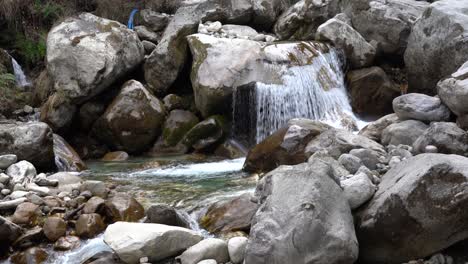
(31, 50)
(6, 80)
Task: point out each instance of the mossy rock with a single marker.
(206, 133)
(178, 123)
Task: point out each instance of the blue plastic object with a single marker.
(130, 19)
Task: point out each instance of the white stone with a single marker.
(21, 172)
(210, 248)
(236, 248)
(7, 160)
(132, 241)
(358, 189)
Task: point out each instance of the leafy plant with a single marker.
(7, 80)
(48, 10)
(32, 51)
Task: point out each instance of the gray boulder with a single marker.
(168, 59)
(386, 24)
(453, 91)
(133, 121)
(374, 129)
(368, 157)
(153, 20)
(405, 132)
(236, 248)
(9, 232)
(447, 137)
(100, 50)
(357, 50)
(302, 19)
(22, 172)
(7, 160)
(350, 162)
(164, 214)
(335, 142)
(132, 241)
(210, 248)
(146, 34)
(58, 112)
(267, 11)
(420, 107)
(358, 189)
(423, 195)
(437, 44)
(177, 124)
(304, 226)
(32, 141)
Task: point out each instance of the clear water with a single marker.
(316, 91)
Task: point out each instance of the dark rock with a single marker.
(54, 228)
(89, 225)
(447, 137)
(31, 255)
(9, 232)
(177, 124)
(26, 214)
(122, 207)
(205, 133)
(66, 157)
(166, 215)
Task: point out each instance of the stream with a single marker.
(188, 182)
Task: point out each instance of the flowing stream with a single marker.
(21, 79)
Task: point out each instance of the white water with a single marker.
(87, 249)
(316, 91)
(21, 79)
(194, 170)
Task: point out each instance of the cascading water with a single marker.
(315, 91)
(21, 79)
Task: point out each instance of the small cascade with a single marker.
(21, 79)
(315, 91)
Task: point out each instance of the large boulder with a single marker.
(122, 207)
(417, 210)
(31, 141)
(170, 56)
(58, 112)
(357, 50)
(284, 147)
(313, 223)
(132, 241)
(66, 157)
(302, 19)
(385, 23)
(165, 215)
(133, 121)
(453, 91)
(405, 132)
(210, 248)
(437, 44)
(371, 91)
(205, 134)
(230, 216)
(446, 136)
(374, 129)
(420, 107)
(89, 225)
(335, 142)
(100, 50)
(22, 173)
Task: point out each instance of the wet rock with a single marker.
(303, 18)
(132, 121)
(89, 225)
(66, 157)
(93, 204)
(104, 257)
(164, 214)
(371, 91)
(374, 129)
(420, 107)
(67, 243)
(26, 214)
(285, 146)
(453, 91)
(7, 160)
(67, 182)
(447, 137)
(320, 219)
(116, 156)
(210, 248)
(132, 241)
(122, 207)
(405, 132)
(85, 44)
(423, 195)
(30, 238)
(357, 50)
(335, 142)
(205, 133)
(232, 215)
(22, 172)
(173, 101)
(177, 124)
(31, 255)
(89, 113)
(54, 228)
(208, 261)
(97, 188)
(236, 248)
(231, 149)
(358, 189)
(28, 141)
(9, 232)
(385, 23)
(432, 53)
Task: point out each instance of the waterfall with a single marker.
(315, 91)
(21, 79)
